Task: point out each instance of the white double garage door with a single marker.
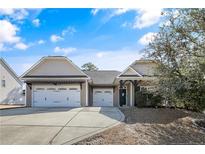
(56, 96)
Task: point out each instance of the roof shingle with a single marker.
(103, 77)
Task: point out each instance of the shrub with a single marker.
(146, 99)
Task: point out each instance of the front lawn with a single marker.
(153, 126)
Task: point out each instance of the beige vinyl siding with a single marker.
(28, 96)
(130, 72)
(55, 67)
(148, 69)
(83, 94)
(116, 96)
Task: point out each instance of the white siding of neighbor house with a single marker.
(12, 92)
(55, 67)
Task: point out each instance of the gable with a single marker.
(55, 67)
(130, 72)
(8, 74)
(146, 69)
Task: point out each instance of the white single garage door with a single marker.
(103, 97)
(56, 96)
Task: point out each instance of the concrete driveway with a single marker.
(55, 125)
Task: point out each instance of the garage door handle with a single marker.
(45, 98)
(67, 98)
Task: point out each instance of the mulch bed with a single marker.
(153, 126)
(200, 123)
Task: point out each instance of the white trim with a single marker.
(125, 87)
(86, 91)
(137, 78)
(129, 67)
(52, 79)
(131, 92)
(10, 71)
(76, 66)
(43, 58)
(103, 89)
(33, 66)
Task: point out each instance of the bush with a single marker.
(141, 99)
(146, 99)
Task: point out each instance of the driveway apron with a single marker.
(55, 125)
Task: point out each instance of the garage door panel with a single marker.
(102, 97)
(56, 96)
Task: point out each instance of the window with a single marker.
(51, 88)
(3, 83)
(109, 92)
(73, 89)
(39, 88)
(62, 89)
(148, 88)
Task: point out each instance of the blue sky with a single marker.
(109, 38)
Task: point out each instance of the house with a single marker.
(11, 86)
(55, 81)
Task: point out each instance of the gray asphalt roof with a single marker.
(103, 77)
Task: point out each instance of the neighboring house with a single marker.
(11, 86)
(55, 81)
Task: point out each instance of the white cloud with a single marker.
(113, 60)
(41, 42)
(8, 36)
(55, 38)
(15, 14)
(117, 12)
(144, 17)
(102, 54)
(2, 48)
(6, 11)
(147, 17)
(126, 24)
(36, 22)
(65, 51)
(94, 11)
(8, 32)
(21, 46)
(69, 30)
(147, 38)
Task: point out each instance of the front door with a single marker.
(122, 96)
